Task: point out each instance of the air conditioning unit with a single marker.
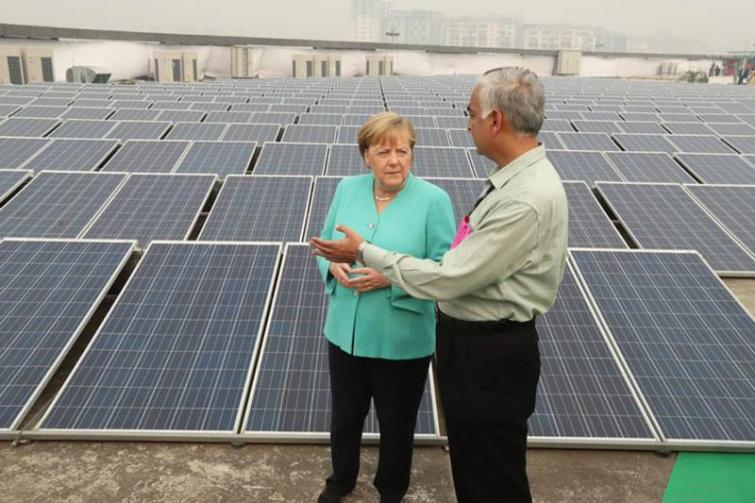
(88, 74)
(11, 66)
(568, 62)
(379, 65)
(327, 66)
(190, 62)
(38, 65)
(303, 66)
(243, 64)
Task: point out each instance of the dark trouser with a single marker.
(487, 375)
(396, 386)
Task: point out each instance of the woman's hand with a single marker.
(369, 280)
(340, 272)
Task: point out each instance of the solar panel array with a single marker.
(258, 144)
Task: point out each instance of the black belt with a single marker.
(484, 325)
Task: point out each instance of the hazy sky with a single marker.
(721, 24)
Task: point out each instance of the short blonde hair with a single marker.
(385, 126)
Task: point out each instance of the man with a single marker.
(502, 274)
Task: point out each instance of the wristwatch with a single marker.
(360, 251)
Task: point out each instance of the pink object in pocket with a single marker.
(462, 233)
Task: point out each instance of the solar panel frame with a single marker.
(95, 302)
(742, 144)
(11, 180)
(589, 225)
(716, 253)
(370, 433)
(644, 143)
(670, 441)
(733, 211)
(67, 154)
(41, 431)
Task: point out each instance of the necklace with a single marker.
(387, 198)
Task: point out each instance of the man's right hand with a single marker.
(340, 271)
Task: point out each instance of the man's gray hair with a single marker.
(518, 94)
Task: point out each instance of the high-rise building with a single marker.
(481, 31)
(367, 20)
(421, 27)
(610, 41)
(554, 37)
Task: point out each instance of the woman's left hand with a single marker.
(369, 280)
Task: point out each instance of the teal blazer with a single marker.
(386, 323)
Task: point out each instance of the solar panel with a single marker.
(147, 156)
(41, 112)
(57, 204)
(11, 180)
(640, 117)
(259, 133)
(91, 113)
(557, 125)
(72, 155)
(152, 207)
(460, 138)
(481, 165)
(432, 137)
(703, 144)
(665, 217)
(355, 119)
(348, 134)
(738, 129)
(181, 115)
(685, 339)
(718, 168)
(27, 127)
(720, 118)
(743, 144)
(259, 208)
(174, 354)
(136, 102)
(550, 140)
(15, 152)
(644, 143)
(589, 226)
(309, 134)
(228, 117)
(583, 165)
(273, 118)
(450, 122)
(139, 130)
(134, 114)
(596, 127)
(641, 127)
(345, 160)
(291, 159)
(221, 158)
(320, 119)
(50, 291)
(654, 167)
(583, 393)
(322, 196)
(687, 128)
(733, 206)
(196, 131)
(587, 141)
(422, 120)
(291, 390)
(8, 110)
(463, 192)
(441, 162)
(600, 116)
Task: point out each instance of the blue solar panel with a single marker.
(222, 158)
(259, 208)
(291, 390)
(152, 207)
(345, 160)
(463, 192)
(139, 130)
(147, 156)
(50, 291)
(685, 339)
(583, 392)
(718, 168)
(27, 127)
(441, 162)
(291, 159)
(587, 141)
(644, 143)
(733, 206)
(57, 204)
(196, 131)
(654, 167)
(15, 152)
(586, 166)
(259, 133)
(309, 134)
(11, 180)
(72, 155)
(175, 353)
(82, 129)
(666, 217)
(589, 226)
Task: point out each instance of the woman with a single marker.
(380, 339)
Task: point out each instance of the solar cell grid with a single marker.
(666, 217)
(718, 168)
(322, 195)
(134, 114)
(589, 225)
(147, 156)
(72, 155)
(587, 141)
(743, 144)
(589, 126)
(220, 158)
(309, 134)
(291, 159)
(143, 375)
(91, 113)
(259, 208)
(644, 143)
(15, 152)
(703, 144)
(11, 180)
(139, 130)
(196, 131)
(655, 167)
(41, 112)
(27, 127)
(587, 166)
(683, 336)
(442, 162)
(733, 206)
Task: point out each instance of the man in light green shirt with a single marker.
(501, 274)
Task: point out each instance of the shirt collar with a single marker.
(503, 174)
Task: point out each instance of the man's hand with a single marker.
(370, 280)
(340, 272)
(342, 250)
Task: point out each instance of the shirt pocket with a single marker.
(402, 300)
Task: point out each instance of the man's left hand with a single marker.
(342, 250)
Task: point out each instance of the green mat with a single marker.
(700, 477)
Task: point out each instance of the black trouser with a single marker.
(396, 387)
(487, 375)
